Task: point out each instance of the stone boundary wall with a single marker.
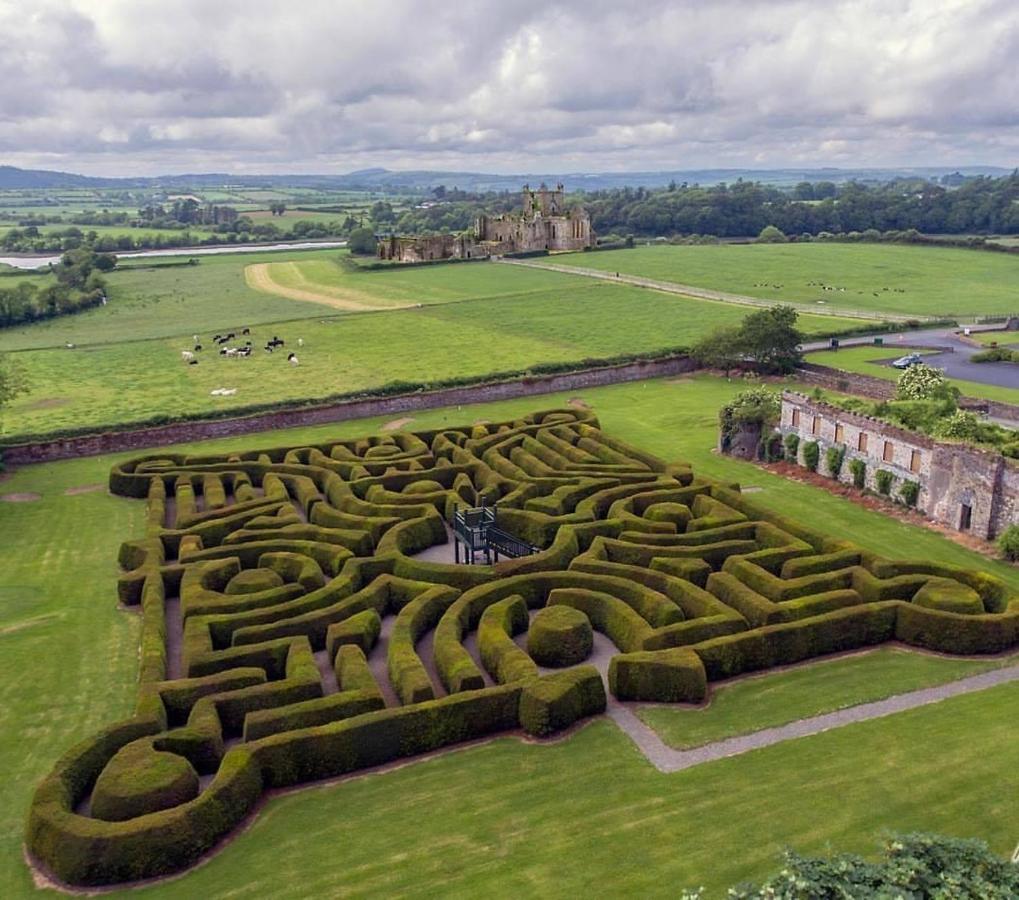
(950, 476)
(186, 432)
(881, 389)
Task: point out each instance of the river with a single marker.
(34, 262)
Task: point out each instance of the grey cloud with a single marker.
(141, 85)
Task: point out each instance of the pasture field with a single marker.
(127, 382)
(871, 361)
(505, 817)
(117, 231)
(934, 281)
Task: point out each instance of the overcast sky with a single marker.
(153, 86)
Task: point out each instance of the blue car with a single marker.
(904, 362)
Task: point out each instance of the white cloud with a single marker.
(123, 86)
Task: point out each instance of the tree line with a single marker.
(79, 285)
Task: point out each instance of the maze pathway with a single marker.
(302, 620)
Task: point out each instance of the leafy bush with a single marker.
(914, 865)
(792, 446)
(811, 455)
(909, 492)
(883, 478)
(772, 448)
(858, 468)
(1008, 543)
(921, 382)
(771, 235)
(754, 406)
(834, 458)
(994, 354)
(961, 425)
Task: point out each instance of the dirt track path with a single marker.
(259, 278)
(689, 290)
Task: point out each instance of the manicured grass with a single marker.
(936, 280)
(750, 704)
(111, 384)
(873, 361)
(503, 817)
(1001, 338)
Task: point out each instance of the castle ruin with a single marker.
(544, 223)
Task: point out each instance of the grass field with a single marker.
(869, 361)
(521, 317)
(506, 817)
(117, 231)
(935, 280)
(750, 704)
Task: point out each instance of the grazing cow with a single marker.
(292, 359)
(216, 338)
(69, 345)
(187, 355)
(192, 362)
(268, 348)
(231, 336)
(222, 351)
(246, 331)
(198, 348)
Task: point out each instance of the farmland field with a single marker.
(507, 817)
(126, 368)
(921, 281)
(121, 383)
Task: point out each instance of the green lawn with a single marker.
(750, 704)
(935, 280)
(506, 817)
(872, 361)
(120, 383)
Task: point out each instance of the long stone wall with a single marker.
(180, 432)
(961, 487)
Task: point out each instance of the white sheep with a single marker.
(292, 359)
(187, 355)
(300, 342)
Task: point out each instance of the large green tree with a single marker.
(361, 241)
(770, 338)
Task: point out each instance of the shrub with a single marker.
(770, 234)
(921, 382)
(557, 701)
(909, 492)
(884, 479)
(1008, 543)
(559, 636)
(773, 448)
(811, 455)
(960, 425)
(858, 469)
(792, 446)
(834, 457)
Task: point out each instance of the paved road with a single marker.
(955, 363)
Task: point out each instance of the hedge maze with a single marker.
(294, 630)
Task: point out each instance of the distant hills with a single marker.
(420, 181)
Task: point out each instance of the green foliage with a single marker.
(720, 349)
(1008, 543)
(773, 448)
(961, 425)
(913, 865)
(361, 241)
(995, 354)
(811, 455)
(909, 491)
(858, 468)
(884, 479)
(792, 446)
(771, 235)
(555, 702)
(834, 457)
(559, 636)
(771, 339)
(921, 382)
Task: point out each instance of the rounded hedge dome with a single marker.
(559, 636)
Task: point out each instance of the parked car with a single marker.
(904, 362)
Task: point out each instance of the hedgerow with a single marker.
(293, 567)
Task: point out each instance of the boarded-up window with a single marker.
(914, 461)
(796, 418)
(889, 452)
(815, 428)
(861, 442)
(840, 433)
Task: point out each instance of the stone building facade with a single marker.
(960, 487)
(544, 223)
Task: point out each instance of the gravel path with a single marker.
(666, 759)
